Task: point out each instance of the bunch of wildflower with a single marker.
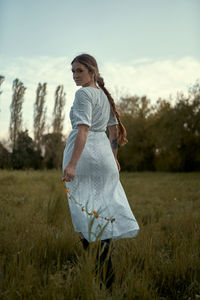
(83, 209)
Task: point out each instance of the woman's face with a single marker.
(81, 75)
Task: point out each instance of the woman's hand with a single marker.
(118, 165)
(79, 144)
(69, 172)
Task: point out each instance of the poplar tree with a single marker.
(16, 111)
(1, 81)
(39, 114)
(59, 104)
(53, 144)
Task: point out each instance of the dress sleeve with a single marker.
(82, 108)
(112, 120)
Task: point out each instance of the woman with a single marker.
(98, 204)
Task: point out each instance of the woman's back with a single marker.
(91, 107)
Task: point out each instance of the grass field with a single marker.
(41, 256)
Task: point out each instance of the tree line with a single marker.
(45, 149)
(161, 137)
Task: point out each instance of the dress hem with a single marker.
(125, 235)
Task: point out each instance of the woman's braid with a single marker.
(122, 140)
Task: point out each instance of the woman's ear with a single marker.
(92, 75)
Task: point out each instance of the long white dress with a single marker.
(97, 201)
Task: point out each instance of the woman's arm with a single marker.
(69, 171)
(113, 135)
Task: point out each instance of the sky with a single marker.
(142, 47)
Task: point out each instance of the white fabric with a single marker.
(96, 185)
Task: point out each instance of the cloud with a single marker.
(145, 76)
(154, 79)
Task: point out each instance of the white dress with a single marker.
(97, 201)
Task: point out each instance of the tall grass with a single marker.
(41, 256)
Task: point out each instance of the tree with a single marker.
(188, 130)
(53, 150)
(16, 111)
(176, 132)
(58, 116)
(53, 142)
(162, 127)
(39, 115)
(137, 107)
(1, 81)
(24, 155)
(5, 157)
(138, 154)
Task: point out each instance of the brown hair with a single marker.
(90, 63)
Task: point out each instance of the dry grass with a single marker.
(41, 256)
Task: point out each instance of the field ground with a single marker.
(41, 256)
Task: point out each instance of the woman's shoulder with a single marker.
(87, 91)
(82, 91)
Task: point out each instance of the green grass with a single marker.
(41, 256)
